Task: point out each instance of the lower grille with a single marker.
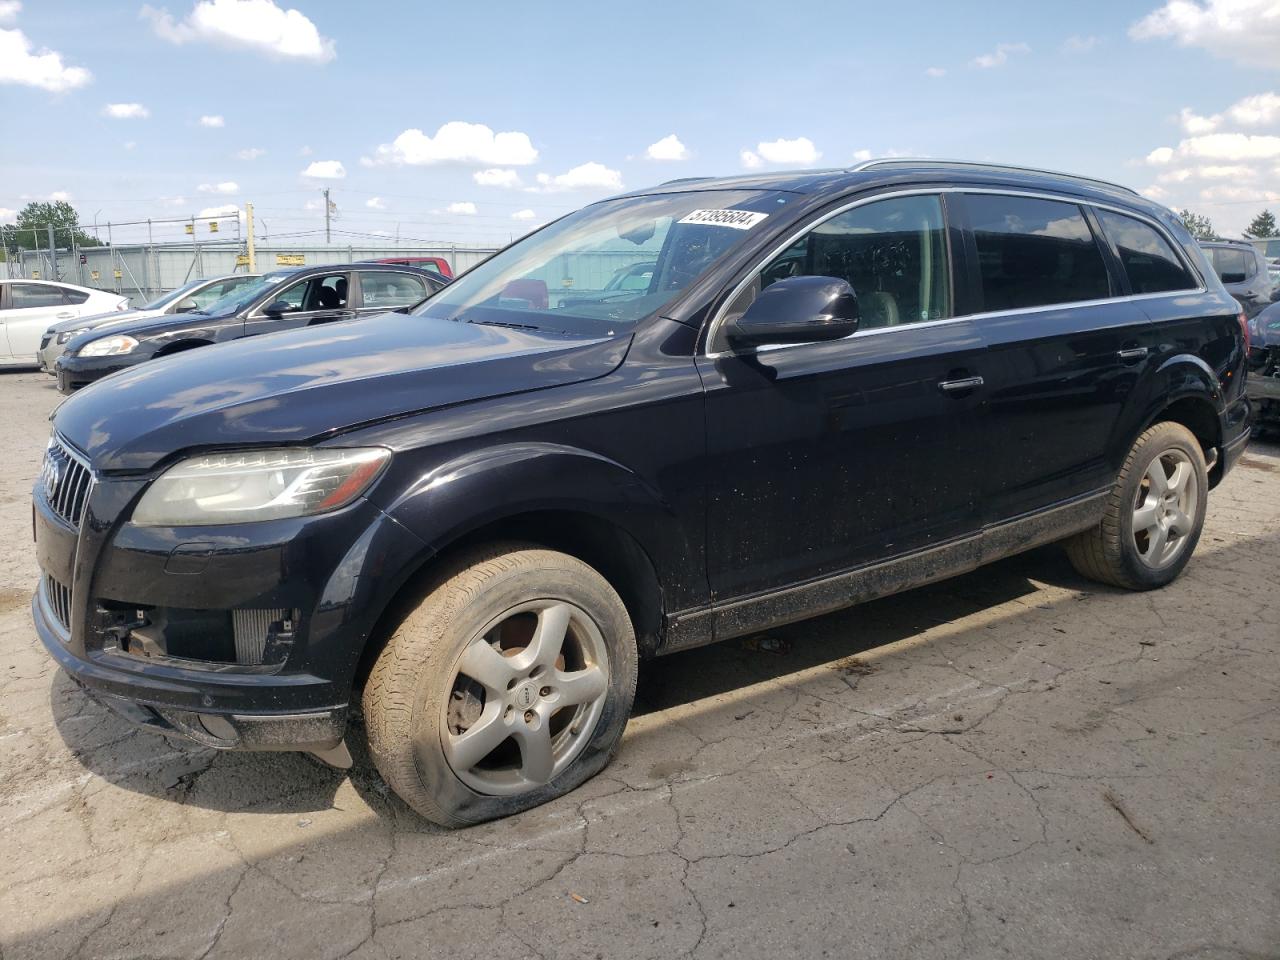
(59, 598)
(251, 627)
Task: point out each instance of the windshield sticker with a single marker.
(738, 219)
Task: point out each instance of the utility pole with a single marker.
(53, 253)
(248, 223)
(326, 216)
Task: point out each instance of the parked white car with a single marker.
(189, 298)
(28, 307)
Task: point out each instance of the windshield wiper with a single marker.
(502, 323)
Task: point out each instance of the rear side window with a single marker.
(1233, 264)
(1148, 259)
(388, 291)
(1034, 253)
(74, 296)
(34, 295)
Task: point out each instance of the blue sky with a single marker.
(545, 107)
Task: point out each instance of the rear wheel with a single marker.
(1154, 513)
(509, 685)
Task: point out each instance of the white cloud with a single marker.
(459, 142)
(313, 205)
(1160, 156)
(935, 72)
(257, 25)
(44, 68)
(325, 170)
(8, 216)
(226, 210)
(585, 176)
(1195, 124)
(126, 111)
(9, 10)
(1229, 194)
(250, 153)
(1246, 31)
(463, 207)
(797, 152)
(1262, 109)
(1230, 147)
(60, 196)
(523, 215)
(212, 120)
(496, 177)
(668, 148)
(1079, 44)
(376, 203)
(227, 187)
(862, 155)
(1154, 193)
(1000, 56)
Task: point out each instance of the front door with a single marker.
(31, 309)
(827, 456)
(315, 300)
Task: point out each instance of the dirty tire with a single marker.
(408, 690)
(1108, 552)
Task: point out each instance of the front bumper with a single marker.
(76, 372)
(335, 574)
(48, 354)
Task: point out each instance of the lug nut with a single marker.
(530, 716)
(544, 692)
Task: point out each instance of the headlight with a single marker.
(68, 334)
(255, 485)
(108, 346)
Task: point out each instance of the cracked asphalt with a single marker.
(1016, 763)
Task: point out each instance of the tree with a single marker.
(1263, 225)
(38, 217)
(1200, 227)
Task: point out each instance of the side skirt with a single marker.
(737, 618)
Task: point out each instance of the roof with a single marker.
(891, 169)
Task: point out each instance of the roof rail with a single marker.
(1011, 167)
(667, 183)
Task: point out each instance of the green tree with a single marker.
(37, 217)
(1200, 227)
(1263, 225)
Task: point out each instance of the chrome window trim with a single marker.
(717, 321)
(257, 313)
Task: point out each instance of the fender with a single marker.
(1178, 377)
(483, 487)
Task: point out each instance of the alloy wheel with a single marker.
(1165, 508)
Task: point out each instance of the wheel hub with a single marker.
(525, 695)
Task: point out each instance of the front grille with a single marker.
(59, 600)
(66, 479)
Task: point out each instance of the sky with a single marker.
(473, 122)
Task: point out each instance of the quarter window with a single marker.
(1034, 253)
(1149, 261)
(892, 252)
(74, 296)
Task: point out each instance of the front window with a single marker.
(241, 297)
(607, 267)
(173, 296)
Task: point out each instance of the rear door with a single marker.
(827, 456)
(1066, 348)
(31, 309)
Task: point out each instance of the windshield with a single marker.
(608, 266)
(242, 296)
(162, 301)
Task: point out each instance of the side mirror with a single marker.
(277, 308)
(186, 306)
(798, 310)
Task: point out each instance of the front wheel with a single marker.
(508, 685)
(1154, 513)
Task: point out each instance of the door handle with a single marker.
(1132, 353)
(65, 315)
(964, 383)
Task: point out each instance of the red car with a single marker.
(439, 264)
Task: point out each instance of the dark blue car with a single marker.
(475, 519)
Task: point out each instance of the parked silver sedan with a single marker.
(195, 295)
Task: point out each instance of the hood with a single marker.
(1264, 329)
(314, 382)
(94, 320)
(135, 323)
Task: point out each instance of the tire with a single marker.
(1122, 550)
(467, 660)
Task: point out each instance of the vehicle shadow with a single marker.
(164, 767)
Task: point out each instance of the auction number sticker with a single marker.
(737, 219)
